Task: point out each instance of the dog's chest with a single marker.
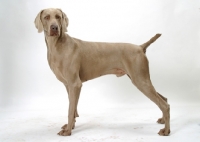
(56, 66)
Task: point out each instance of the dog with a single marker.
(74, 61)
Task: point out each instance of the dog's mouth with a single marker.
(54, 33)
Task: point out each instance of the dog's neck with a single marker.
(52, 41)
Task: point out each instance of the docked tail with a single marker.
(145, 45)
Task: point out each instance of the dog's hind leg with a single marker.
(162, 120)
(147, 89)
(139, 74)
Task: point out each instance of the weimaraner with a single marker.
(74, 61)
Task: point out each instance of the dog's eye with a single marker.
(47, 17)
(57, 17)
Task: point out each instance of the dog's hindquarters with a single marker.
(141, 79)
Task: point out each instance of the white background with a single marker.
(27, 83)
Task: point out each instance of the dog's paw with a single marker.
(65, 126)
(164, 132)
(64, 133)
(161, 121)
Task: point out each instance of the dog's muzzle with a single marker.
(54, 30)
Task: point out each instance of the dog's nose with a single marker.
(54, 28)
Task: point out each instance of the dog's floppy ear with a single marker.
(64, 22)
(38, 22)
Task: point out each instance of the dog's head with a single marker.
(52, 21)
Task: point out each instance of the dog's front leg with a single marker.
(76, 111)
(74, 92)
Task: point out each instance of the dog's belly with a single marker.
(85, 76)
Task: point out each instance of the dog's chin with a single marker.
(54, 34)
